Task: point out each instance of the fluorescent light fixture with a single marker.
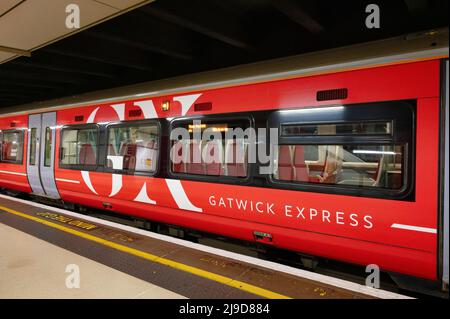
(373, 152)
(314, 110)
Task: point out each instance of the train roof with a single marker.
(403, 49)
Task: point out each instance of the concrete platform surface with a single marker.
(33, 268)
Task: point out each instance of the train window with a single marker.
(48, 147)
(133, 148)
(363, 149)
(368, 128)
(211, 148)
(356, 165)
(12, 147)
(33, 144)
(79, 147)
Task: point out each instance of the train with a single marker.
(357, 139)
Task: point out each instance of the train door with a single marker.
(41, 154)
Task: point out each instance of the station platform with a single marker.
(39, 243)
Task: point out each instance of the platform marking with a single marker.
(300, 273)
(415, 228)
(160, 260)
(13, 173)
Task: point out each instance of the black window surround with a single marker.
(79, 167)
(133, 124)
(184, 121)
(400, 113)
(22, 146)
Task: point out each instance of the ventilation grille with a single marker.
(203, 106)
(79, 118)
(134, 113)
(335, 94)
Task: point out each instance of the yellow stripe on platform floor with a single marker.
(164, 261)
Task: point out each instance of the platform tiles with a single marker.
(47, 252)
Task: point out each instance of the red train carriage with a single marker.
(357, 171)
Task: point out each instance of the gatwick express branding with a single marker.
(293, 212)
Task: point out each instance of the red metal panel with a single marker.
(13, 176)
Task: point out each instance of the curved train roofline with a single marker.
(420, 46)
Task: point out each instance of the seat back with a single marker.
(128, 151)
(285, 163)
(195, 165)
(300, 167)
(213, 158)
(87, 155)
(178, 158)
(236, 165)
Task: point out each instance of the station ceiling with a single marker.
(166, 38)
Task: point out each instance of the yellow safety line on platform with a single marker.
(167, 262)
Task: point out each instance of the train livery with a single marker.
(357, 174)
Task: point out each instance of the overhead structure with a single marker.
(125, 42)
(27, 25)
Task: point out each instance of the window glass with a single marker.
(33, 144)
(79, 146)
(364, 128)
(12, 146)
(356, 165)
(213, 148)
(48, 147)
(133, 148)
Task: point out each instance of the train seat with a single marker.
(285, 163)
(213, 159)
(128, 151)
(195, 165)
(178, 158)
(236, 166)
(87, 155)
(300, 167)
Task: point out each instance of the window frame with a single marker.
(365, 135)
(79, 167)
(52, 142)
(22, 139)
(379, 111)
(210, 178)
(30, 148)
(132, 124)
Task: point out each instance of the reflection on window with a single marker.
(79, 147)
(364, 128)
(133, 148)
(214, 154)
(48, 147)
(33, 142)
(355, 165)
(12, 147)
